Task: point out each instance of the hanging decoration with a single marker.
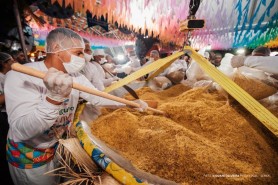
(95, 40)
(229, 24)
(273, 43)
(251, 33)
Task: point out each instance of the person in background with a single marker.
(109, 66)
(216, 61)
(261, 51)
(40, 56)
(110, 59)
(154, 56)
(90, 71)
(209, 55)
(6, 61)
(99, 62)
(134, 61)
(40, 112)
(259, 59)
(99, 56)
(188, 60)
(28, 34)
(18, 56)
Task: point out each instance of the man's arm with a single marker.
(29, 113)
(95, 78)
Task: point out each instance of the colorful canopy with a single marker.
(229, 24)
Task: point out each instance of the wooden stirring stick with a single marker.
(36, 73)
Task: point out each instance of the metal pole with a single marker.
(19, 29)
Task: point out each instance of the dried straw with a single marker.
(78, 167)
(74, 147)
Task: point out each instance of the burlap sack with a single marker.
(162, 82)
(254, 81)
(176, 76)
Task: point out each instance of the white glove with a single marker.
(115, 78)
(127, 70)
(58, 85)
(212, 86)
(237, 61)
(143, 105)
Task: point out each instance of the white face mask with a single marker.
(151, 59)
(87, 57)
(75, 65)
(102, 60)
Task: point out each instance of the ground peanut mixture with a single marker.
(256, 88)
(204, 140)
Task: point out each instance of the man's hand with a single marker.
(143, 105)
(58, 84)
(115, 78)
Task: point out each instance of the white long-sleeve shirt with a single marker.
(267, 64)
(32, 118)
(101, 75)
(90, 71)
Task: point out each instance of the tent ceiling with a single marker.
(78, 23)
(229, 24)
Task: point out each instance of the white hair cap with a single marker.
(99, 52)
(4, 57)
(154, 52)
(206, 54)
(61, 39)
